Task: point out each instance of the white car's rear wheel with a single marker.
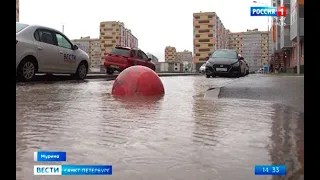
(27, 70)
(82, 71)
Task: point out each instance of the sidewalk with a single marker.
(286, 74)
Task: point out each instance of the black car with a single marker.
(225, 62)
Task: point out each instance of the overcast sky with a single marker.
(156, 23)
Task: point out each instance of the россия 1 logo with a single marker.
(278, 14)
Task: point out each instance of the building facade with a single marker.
(209, 34)
(253, 45)
(17, 10)
(95, 52)
(154, 59)
(284, 58)
(170, 53)
(184, 56)
(112, 34)
(92, 47)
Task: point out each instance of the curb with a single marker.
(110, 77)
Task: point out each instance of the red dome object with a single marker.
(137, 81)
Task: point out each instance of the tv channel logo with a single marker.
(72, 170)
(47, 170)
(280, 11)
(50, 156)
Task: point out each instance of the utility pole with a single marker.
(62, 28)
(298, 38)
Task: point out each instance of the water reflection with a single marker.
(288, 141)
(178, 136)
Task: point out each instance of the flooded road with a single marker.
(181, 136)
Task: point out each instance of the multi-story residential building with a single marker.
(209, 34)
(95, 52)
(83, 43)
(253, 46)
(114, 33)
(285, 37)
(292, 63)
(17, 10)
(154, 59)
(184, 56)
(170, 53)
(92, 47)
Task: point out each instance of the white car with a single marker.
(41, 49)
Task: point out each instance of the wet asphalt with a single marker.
(258, 119)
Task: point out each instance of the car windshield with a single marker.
(120, 51)
(20, 26)
(224, 54)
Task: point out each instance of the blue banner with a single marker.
(43, 156)
(78, 170)
(263, 11)
(275, 170)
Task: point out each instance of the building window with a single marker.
(204, 50)
(204, 21)
(204, 40)
(204, 31)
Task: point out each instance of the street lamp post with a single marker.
(257, 2)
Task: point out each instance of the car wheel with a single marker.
(110, 71)
(27, 70)
(208, 76)
(82, 71)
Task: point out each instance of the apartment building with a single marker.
(17, 10)
(209, 34)
(253, 45)
(83, 43)
(92, 47)
(184, 56)
(170, 53)
(114, 33)
(95, 52)
(285, 37)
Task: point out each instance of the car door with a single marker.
(140, 59)
(47, 51)
(67, 61)
(146, 60)
(133, 59)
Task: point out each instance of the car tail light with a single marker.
(16, 41)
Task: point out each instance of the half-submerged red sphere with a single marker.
(137, 81)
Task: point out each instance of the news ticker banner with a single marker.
(50, 156)
(72, 170)
(275, 170)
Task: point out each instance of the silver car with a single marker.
(41, 49)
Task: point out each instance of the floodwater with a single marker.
(181, 136)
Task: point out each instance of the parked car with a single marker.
(225, 62)
(121, 58)
(246, 68)
(202, 69)
(42, 49)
